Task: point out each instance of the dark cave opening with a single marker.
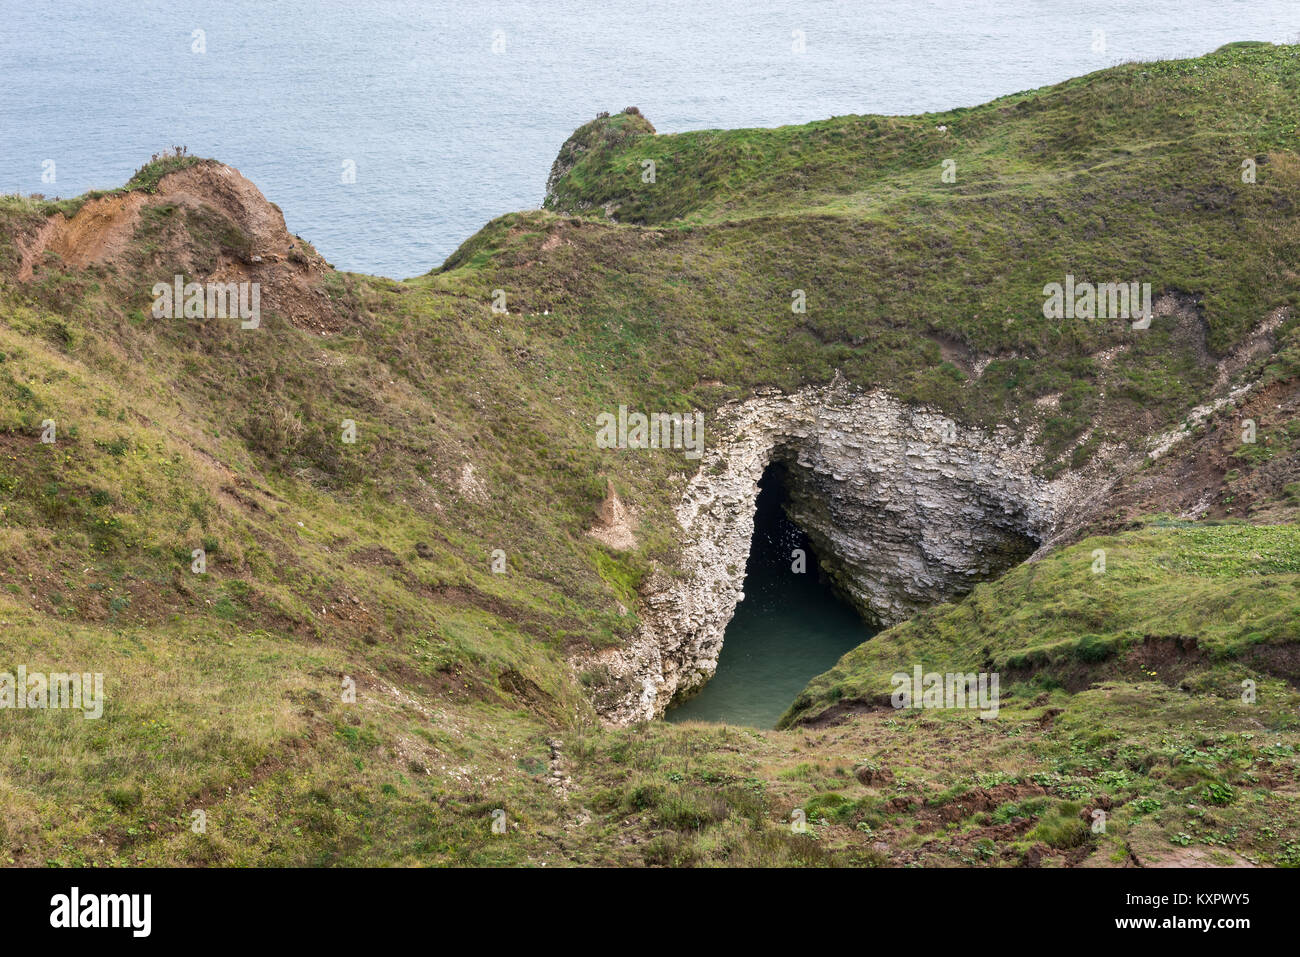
(789, 627)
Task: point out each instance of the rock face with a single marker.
(904, 508)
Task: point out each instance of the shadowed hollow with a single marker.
(789, 627)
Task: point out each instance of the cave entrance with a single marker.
(790, 626)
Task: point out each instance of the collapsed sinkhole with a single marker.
(901, 508)
(819, 561)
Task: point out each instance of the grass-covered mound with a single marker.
(1158, 602)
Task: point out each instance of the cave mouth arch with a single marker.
(790, 626)
(904, 509)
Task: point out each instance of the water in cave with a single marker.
(788, 628)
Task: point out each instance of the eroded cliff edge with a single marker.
(905, 507)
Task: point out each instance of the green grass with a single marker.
(1227, 588)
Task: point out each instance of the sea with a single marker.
(390, 131)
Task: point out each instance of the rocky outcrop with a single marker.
(905, 508)
(615, 524)
(603, 134)
(210, 224)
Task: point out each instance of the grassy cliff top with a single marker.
(1238, 98)
(932, 288)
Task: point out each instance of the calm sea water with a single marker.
(445, 133)
(788, 628)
